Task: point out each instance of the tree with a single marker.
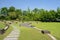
(36, 14)
(19, 13)
(0, 11)
(52, 16)
(4, 11)
(36, 10)
(12, 15)
(11, 9)
(42, 15)
(58, 13)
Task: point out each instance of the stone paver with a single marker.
(13, 35)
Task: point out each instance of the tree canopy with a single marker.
(36, 14)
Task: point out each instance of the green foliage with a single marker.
(30, 15)
(12, 15)
(32, 34)
(6, 33)
(53, 27)
(4, 11)
(11, 9)
(58, 13)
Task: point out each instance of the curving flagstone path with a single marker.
(13, 35)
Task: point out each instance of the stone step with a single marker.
(11, 39)
(13, 35)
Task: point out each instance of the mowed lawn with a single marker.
(2, 36)
(53, 27)
(31, 34)
(2, 25)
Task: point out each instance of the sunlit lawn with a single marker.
(2, 25)
(27, 33)
(6, 33)
(53, 27)
(33, 34)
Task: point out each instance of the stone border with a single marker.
(41, 30)
(46, 32)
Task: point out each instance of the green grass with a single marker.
(53, 27)
(6, 33)
(31, 34)
(2, 25)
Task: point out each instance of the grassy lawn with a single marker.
(31, 34)
(2, 25)
(53, 27)
(6, 33)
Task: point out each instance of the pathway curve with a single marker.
(13, 35)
